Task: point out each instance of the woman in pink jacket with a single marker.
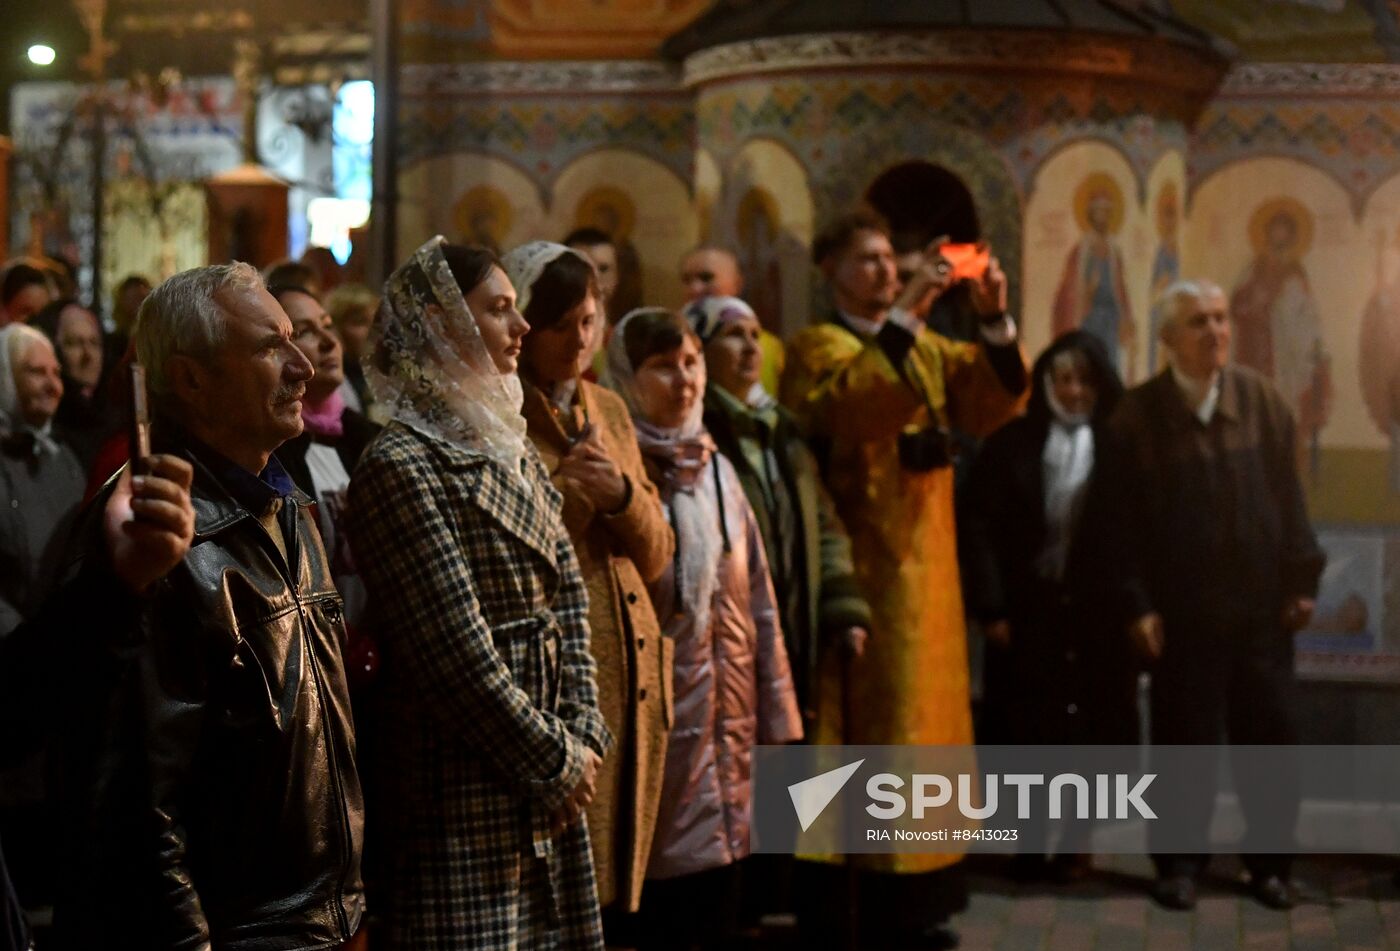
(731, 682)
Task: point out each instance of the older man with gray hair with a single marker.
(221, 806)
(1212, 566)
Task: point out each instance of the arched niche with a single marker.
(468, 197)
(647, 208)
(964, 154)
(1083, 198)
(766, 218)
(708, 184)
(922, 201)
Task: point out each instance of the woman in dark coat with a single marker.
(1055, 674)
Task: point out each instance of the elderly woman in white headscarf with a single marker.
(493, 733)
(613, 513)
(732, 684)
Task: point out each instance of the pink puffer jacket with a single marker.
(732, 688)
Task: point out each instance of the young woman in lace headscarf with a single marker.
(493, 737)
(731, 682)
(585, 438)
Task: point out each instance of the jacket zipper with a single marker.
(339, 788)
(289, 575)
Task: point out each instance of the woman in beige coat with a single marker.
(613, 515)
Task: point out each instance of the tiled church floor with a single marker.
(1350, 903)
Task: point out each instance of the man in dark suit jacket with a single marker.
(1212, 567)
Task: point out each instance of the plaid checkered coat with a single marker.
(490, 698)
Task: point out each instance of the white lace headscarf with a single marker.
(685, 455)
(429, 364)
(525, 264)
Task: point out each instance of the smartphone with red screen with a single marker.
(968, 261)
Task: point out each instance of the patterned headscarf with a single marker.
(708, 315)
(620, 377)
(428, 363)
(684, 456)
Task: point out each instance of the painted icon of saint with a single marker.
(483, 216)
(757, 225)
(1379, 359)
(1166, 263)
(1092, 294)
(1277, 330)
(612, 211)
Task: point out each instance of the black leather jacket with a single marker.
(209, 771)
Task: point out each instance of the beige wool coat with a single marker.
(618, 555)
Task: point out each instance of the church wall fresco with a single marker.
(647, 209)
(469, 197)
(708, 180)
(1317, 148)
(1310, 287)
(847, 126)
(1164, 205)
(1344, 119)
(537, 149)
(847, 129)
(483, 200)
(1089, 250)
(542, 116)
(1280, 238)
(1285, 190)
(767, 216)
(452, 30)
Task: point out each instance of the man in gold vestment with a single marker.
(878, 393)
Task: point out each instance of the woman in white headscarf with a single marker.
(731, 681)
(493, 736)
(1054, 673)
(585, 438)
(41, 480)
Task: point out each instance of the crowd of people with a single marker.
(450, 616)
